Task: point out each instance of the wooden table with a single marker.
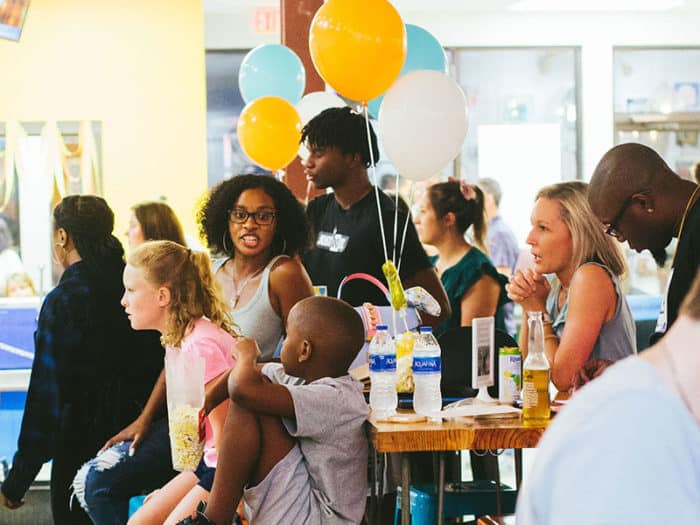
(461, 434)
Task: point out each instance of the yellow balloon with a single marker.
(269, 130)
(358, 46)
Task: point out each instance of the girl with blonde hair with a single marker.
(586, 313)
(171, 289)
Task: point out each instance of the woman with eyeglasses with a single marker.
(258, 225)
(586, 314)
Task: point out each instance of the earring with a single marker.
(223, 244)
(54, 255)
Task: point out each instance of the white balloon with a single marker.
(311, 105)
(422, 123)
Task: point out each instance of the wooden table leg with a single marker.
(518, 458)
(382, 473)
(405, 488)
(499, 507)
(369, 515)
(441, 489)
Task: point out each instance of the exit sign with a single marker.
(266, 20)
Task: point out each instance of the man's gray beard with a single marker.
(659, 256)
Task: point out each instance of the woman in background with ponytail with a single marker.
(91, 373)
(473, 285)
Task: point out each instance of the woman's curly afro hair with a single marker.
(292, 230)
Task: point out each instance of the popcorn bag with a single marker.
(404, 362)
(184, 379)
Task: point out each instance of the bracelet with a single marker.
(550, 336)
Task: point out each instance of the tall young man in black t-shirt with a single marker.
(346, 223)
(640, 200)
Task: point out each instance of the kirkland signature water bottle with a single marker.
(427, 398)
(382, 373)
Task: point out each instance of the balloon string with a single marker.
(396, 218)
(405, 226)
(308, 193)
(376, 186)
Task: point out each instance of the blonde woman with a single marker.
(172, 289)
(586, 314)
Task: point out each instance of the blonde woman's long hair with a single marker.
(194, 293)
(590, 243)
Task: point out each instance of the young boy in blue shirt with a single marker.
(294, 445)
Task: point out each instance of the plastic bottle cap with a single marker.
(425, 329)
(382, 327)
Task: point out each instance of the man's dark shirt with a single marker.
(685, 267)
(349, 241)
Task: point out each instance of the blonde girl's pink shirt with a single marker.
(216, 347)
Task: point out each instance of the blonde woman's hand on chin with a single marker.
(529, 289)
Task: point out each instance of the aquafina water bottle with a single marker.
(382, 373)
(427, 398)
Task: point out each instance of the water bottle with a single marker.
(382, 373)
(427, 398)
(536, 374)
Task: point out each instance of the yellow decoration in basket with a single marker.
(398, 297)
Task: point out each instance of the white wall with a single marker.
(596, 34)
(233, 30)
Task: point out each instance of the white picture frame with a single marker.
(483, 359)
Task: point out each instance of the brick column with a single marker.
(296, 16)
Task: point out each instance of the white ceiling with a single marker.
(405, 6)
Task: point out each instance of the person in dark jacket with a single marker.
(91, 373)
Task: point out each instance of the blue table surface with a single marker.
(645, 307)
(17, 326)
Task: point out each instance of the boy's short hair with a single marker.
(344, 129)
(333, 326)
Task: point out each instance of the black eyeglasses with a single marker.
(611, 227)
(261, 218)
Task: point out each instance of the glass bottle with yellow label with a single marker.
(536, 374)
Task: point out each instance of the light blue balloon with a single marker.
(373, 106)
(271, 70)
(423, 51)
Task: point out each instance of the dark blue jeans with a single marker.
(104, 484)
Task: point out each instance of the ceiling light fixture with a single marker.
(595, 5)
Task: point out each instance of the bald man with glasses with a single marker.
(640, 200)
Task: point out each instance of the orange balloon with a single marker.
(269, 130)
(358, 46)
